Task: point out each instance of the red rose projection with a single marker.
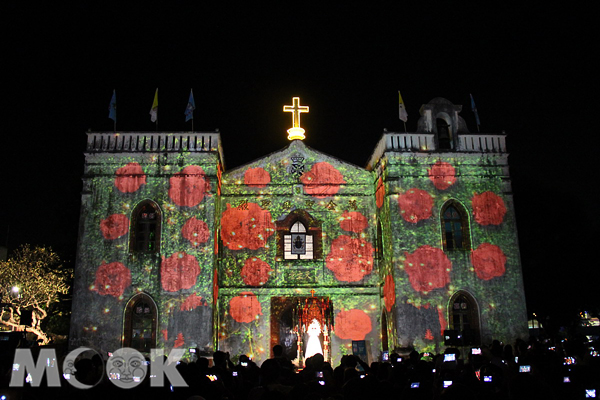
(188, 187)
(350, 259)
(488, 208)
(428, 268)
(179, 271)
(352, 324)
(442, 319)
(196, 231)
(442, 174)
(130, 178)
(257, 177)
(353, 221)
(192, 301)
(379, 193)
(415, 205)
(389, 292)
(489, 261)
(112, 279)
(115, 226)
(255, 272)
(323, 180)
(247, 227)
(245, 307)
(180, 341)
(428, 335)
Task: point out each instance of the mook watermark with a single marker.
(126, 368)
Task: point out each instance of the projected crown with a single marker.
(296, 132)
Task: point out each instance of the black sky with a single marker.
(529, 68)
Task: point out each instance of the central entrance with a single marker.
(302, 326)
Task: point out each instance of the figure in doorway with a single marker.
(313, 345)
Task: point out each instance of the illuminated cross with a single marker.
(295, 132)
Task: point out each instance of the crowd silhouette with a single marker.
(526, 370)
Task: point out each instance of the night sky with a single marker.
(529, 69)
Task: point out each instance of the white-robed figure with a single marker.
(313, 345)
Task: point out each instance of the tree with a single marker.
(30, 282)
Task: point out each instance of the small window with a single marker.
(455, 227)
(145, 236)
(298, 245)
(299, 237)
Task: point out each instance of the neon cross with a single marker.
(295, 132)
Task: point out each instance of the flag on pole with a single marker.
(154, 109)
(112, 107)
(403, 115)
(474, 110)
(191, 106)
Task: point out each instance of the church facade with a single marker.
(417, 250)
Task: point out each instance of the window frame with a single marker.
(137, 230)
(312, 227)
(465, 227)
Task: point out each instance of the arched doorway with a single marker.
(140, 323)
(464, 317)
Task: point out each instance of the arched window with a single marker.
(145, 225)
(444, 134)
(140, 323)
(455, 227)
(297, 244)
(464, 317)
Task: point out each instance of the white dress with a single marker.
(313, 346)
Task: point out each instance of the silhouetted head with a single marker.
(277, 350)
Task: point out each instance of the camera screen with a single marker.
(414, 385)
(449, 357)
(590, 393)
(447, 383)
(476, 350)
(487, 378)
(525, 368)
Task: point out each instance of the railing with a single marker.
(482, 143)
(153, 142)
(425, 142)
